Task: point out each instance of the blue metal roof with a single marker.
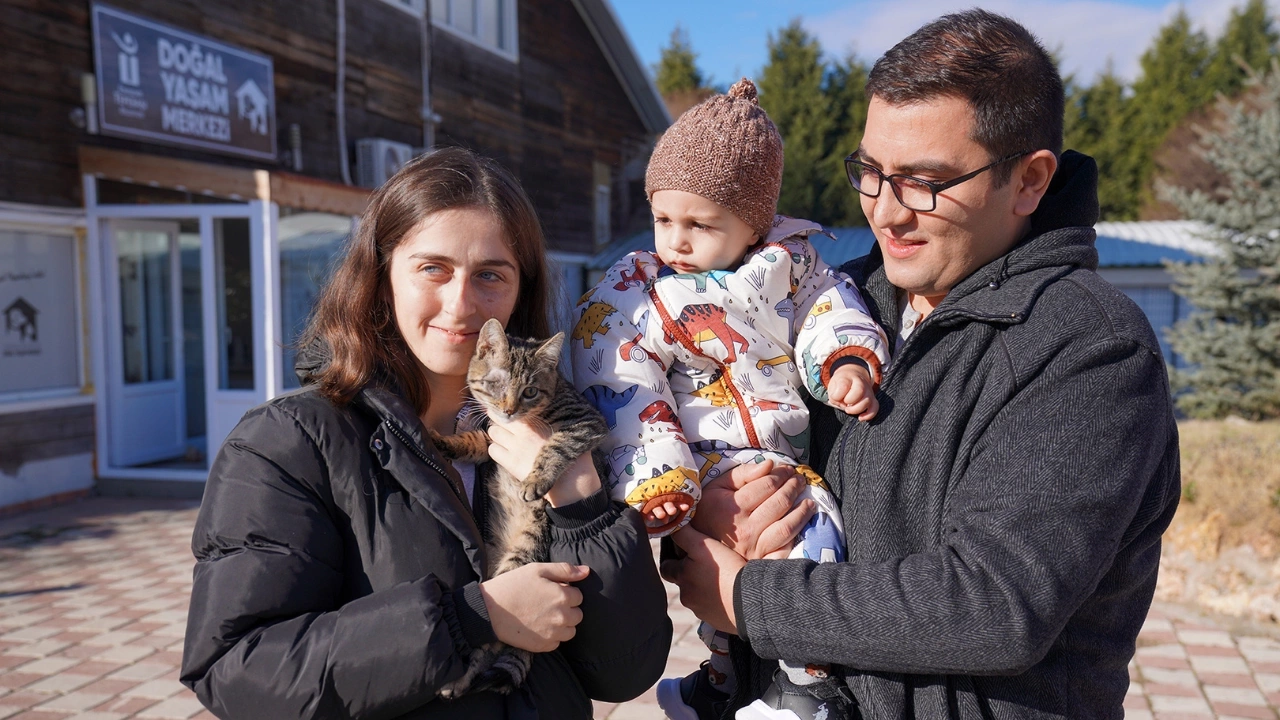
(852, 242)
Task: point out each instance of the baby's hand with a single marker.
(660, 515)
(851, 390)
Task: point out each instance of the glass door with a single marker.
(237, 319)
(145, 351)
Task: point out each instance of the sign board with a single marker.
(38, 348)
(161, 84)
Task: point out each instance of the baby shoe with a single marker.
(692, 697)
(784, 700)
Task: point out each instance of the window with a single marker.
(488, 23)
(310, 248)
(40, 331)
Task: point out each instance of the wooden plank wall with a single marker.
(548, 116)
(45, 47)
(568, 111)
(43, 434)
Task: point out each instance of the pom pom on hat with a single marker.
(744, 89)
(727, 150)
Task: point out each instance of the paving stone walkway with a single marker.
(93, 602)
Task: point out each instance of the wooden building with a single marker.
(177, 175)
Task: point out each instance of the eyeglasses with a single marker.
(914, 194)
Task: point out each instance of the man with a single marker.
(1004, 512)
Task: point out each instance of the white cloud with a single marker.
(1088, 33)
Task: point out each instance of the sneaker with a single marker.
(784, 700)
(692, 697)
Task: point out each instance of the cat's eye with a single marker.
(530, 393)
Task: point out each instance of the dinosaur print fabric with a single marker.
(697, 373)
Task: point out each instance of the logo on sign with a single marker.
(128, 59)
(252, 103)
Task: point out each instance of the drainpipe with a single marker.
(429, 117)
(340, 99)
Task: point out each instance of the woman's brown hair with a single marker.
(354, 316)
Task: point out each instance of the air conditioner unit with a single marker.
(377, 159)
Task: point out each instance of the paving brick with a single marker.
(126, 706)
(1170, 703)
(1215, 650)
(158, 689)
(108, 687)
(123, 653)
(73, 702)
(1182, 678)
(1219, 665)
(1156, 688)
(175, 708)
(15, 680)
(1238, 696)
(1244, 711)
(59, 683)
(1227, 680)
(140, 672)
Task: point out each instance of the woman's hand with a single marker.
(533, 607)
(515, 445)
(753, 510)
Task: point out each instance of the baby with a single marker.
(697, 354)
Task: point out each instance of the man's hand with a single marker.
(850, 389)
(752, 510)
(705, 576)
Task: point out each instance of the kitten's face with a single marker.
(513, 378)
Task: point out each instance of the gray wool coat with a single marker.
(1004, 510)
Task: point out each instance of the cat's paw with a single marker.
(535, 488)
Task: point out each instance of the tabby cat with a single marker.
(518, 379)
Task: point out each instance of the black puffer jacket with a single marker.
(337, 568)
(1004, 510)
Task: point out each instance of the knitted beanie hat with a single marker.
(727, 150)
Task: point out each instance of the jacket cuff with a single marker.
(748, 606)
(739, 618)
(580, 513)
(866, 355)
(468, 622)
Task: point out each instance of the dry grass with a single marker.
(1230, 488)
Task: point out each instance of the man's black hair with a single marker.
(992, 62)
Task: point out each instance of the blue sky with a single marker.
(730, 35)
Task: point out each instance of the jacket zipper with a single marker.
(893, 372)
(417, 451)
(680, 335)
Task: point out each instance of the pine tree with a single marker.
(791, 88)
(845, 89)
(677, 68)
(1232, 340)
(1172, 85)
(1250, 37)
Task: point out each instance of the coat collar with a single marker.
(400, 445)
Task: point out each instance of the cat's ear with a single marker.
(493, 338)
(549, 351)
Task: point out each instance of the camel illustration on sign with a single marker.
(252, 103)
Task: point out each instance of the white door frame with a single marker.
(265, 276)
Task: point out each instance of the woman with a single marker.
(338, 557)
